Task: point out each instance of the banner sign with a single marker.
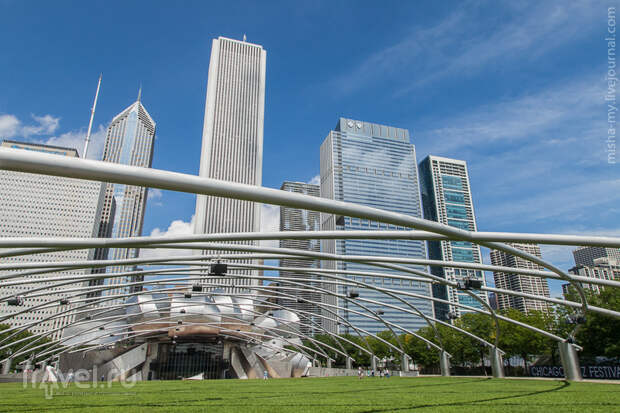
(587, 372)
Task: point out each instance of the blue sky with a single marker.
(514, 88)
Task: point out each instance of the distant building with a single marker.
(493, 301)
(232, 141)
(373, 165)
(294, 219)
(129, 141)
(587, 255)
(519, 283)
(33, 205)
(447, 199)
(603, 269)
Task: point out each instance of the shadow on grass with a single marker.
(565, 384)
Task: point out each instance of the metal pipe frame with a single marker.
(351, 282)
(266, 267)
(41, 163)
(170, 318)
(378, 261)
(32, 162)
(270, 268)
(401, 350)
(148, 292)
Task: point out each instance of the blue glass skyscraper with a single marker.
(129, 141)
(446, 198)
(372, 165)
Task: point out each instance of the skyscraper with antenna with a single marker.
(232, 139)
(129, 141)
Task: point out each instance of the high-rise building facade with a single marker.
(129, 141)
(232, 137)
(373, 165)
(294, 219)
(33, 206)
(603, 268)
(587, 255)
(446, 198)
(519, 283)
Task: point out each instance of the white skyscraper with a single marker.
(232, 137)
(295, 219)
(520, 283)
(34, 205)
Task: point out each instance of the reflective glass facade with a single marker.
(446, 198)
(129, 141)
(373, 165)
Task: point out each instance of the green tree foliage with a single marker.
(600, 335)
(13, 349)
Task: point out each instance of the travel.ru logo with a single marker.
(54, 382)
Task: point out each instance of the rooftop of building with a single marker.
(371, 129)
(41, 147)
(444, 159)
(245, 42)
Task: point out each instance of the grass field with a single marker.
(333, 394)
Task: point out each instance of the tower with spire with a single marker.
(129, 141)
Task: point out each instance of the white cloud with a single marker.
(155, 193)
(464, 42)
(178, 227)
(47, 124)
(572, 201)
(154, 196)
(316, 180)
(75, 139)
(528, 117)
(270, 222)
(11, 126)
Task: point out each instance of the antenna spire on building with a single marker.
(140, 93)
(244, 37)
(92, 116)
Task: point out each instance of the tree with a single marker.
(520, 341)
(13, 349)
(600, 335)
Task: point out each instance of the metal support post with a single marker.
(444, 364)
(404, 363)
(497, 363)
(6, 367)
(570, 361)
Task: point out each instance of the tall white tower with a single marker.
(232, 137)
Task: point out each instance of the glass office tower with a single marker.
(372, 165)
(129, 141)
(446, 198)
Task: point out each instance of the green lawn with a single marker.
(333, 394)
